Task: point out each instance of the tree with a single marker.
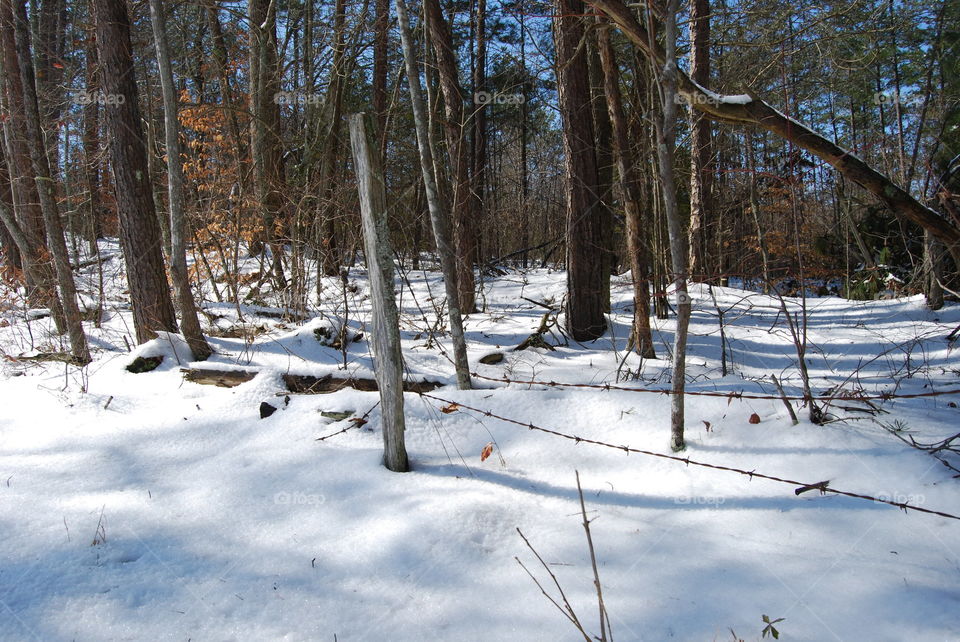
(265, 144)
(678, 241)
(178, 253)
(139, 230)
(26, 214)
(46, 188)
(700, 144)
(641, 335)
(457, 147)
(586, 298)
(439, 214)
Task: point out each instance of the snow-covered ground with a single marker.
(141, 506)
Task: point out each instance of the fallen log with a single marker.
(300, 384)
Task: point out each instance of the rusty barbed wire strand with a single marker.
(823, 487)
(884, 396)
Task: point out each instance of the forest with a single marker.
(653, 303)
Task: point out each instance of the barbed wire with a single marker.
(883, 396)
(800, 487)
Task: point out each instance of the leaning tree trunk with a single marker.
(749, 109)
(586, 298)
(456, 133)
(40, 280)
(641, 337)
(139, 228)
(178, 253)
(678, 241)
(439, 216)
(46, 188)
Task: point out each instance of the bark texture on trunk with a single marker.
(586, 298)
(139, 230)
(439, 216)
(456, 134)
(178, 252)
(46, 188)
(642, 338)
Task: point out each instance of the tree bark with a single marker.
(750, 109)
(40, 279)
(46, 188)
(178, 253)
(456, 130)
(679, 246)
(439, 215)
(586, 298)
(265, 148)
(700, 143)
(642, 337)
(139, 228)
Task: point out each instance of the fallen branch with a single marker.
(300, 384)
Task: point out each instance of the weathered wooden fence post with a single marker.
(386, 330)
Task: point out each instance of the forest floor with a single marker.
(142, 506)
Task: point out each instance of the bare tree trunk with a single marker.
(386, 329)
(478, 146)
(679, 246)
(700, 143)
(178, 252)
(456, 134)
(40, 279)
(439, 216)
(329, 264)
(586, 297)
(264, 126)
(46, 189)
(91, 143)
(139, 228)
(381, 42)
(755, 211)
(642, 337)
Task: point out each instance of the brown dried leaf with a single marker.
(486, 452)
(754, 418)
(450, 409)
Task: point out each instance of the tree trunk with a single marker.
(178, 252)
(642, 337)
(386, 329)
(329, 264)
(700, 144)
(456, 134)
(39, 273)
(478, 141)
(265, 150)
(139, 229)
(585, 247)
(381, 42)
(439, 216)
(679, 246)
(46, 188)
(91, 143)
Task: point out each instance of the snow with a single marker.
(221, 525)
